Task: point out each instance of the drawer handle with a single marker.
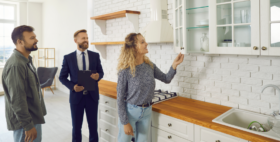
(218, 141)
(169, 124)
(169, 137)
(106, 110)
(264, 48)
(106, 102)
(107, 130)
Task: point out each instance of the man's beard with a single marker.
(83, 46)
(32, 48)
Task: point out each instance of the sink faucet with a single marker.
(277, 88)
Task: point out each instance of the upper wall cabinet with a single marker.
(235, 27)
(250, 27)
(191, 26)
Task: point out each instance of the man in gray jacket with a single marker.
(25, 107)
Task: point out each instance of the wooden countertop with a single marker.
(193, 111)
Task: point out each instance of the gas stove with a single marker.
(161, 96)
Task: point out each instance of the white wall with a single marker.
(229, 80)
(61, 19)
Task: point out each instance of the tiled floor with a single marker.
(58, 127)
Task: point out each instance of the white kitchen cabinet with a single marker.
(203, 134)
(174, 126)
(162, 136)
(164, 128)
(107, 119)
(249, 27)
(190, 23)
(235, 27)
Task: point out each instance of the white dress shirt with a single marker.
(80, 59)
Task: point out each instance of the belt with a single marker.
(146, 104)
(85, 92)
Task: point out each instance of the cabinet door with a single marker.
(203, 134)
(235, 26)
(197, 26)
(162, 136)
(178, 12)
(270, 30)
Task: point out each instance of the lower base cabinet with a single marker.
(162, 136)
(163, 129)
(203, 134)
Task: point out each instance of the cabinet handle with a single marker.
(106, 110)
(218, 141)
(264, 48)
(255, 48)
(106, 102)
(107, 130)
(182, 48)
(169, 137)
(169, 124)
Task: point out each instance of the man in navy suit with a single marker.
(80, 99)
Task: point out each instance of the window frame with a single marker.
(15, 22)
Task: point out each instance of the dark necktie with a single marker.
(84, 61)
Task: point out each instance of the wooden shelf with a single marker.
(132, 16)
(107, 43)
(114, 15)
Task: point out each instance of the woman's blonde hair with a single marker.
(128, 54)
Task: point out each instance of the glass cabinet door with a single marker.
(270, 21)
(178, 26)
(197, 26)
(235, 26)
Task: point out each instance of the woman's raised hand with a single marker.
(178, 60)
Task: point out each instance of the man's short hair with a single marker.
(18, 32)
(79, 31)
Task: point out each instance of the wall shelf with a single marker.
(101, 46)
(132, 16)
(107, 43)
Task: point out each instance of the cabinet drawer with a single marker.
(162, 136)
(107, 137)
(108, 118)
(108, 110)
(108, 101)
(203, 134)
(174, 126)
(110, 129)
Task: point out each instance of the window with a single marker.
(8, 20)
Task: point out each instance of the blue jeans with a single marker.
(19, 135)
(140, 120)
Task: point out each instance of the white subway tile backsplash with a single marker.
(230, 80)
(246, 67)
(259, 103)
(197, 64)
(242, 87)
(230, 92)
(251, 81)
(250, 95)
(261, 75)
(229, 104)
(256, 61)
(240, 73)
(238, 100)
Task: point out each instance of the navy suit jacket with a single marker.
(70, 67)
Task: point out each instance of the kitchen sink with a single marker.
(241, 119)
